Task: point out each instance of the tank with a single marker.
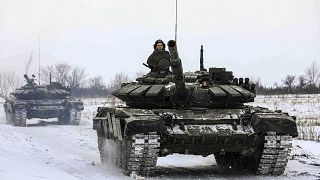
(42, 101)
(197, 113)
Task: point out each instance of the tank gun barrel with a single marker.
(30, 83)
(176, 67)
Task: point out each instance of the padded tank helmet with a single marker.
(157, 42)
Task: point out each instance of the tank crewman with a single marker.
(159, 60)
(33, 79)
(205, 81)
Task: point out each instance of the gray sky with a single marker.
(255, 38)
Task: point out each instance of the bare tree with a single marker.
(73, 77)
(313, 74)
(276, 85)
(289, 81)
(61, 73)
(96, 83)
(76, 77)
(118, 79)
(8, 82)
(13, 80)
(45, 73)
(3, 86)
(302, 82)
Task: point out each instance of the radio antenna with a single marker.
(176, 25)
(39, 58)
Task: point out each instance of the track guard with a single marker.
(276, 122)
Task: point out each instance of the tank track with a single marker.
(275, 154)
(20, 117)
(75, 117)
(143, 153)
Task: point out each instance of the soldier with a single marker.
(159, 60)
(205, 81)
(33, 79)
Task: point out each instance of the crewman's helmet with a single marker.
(157, 42)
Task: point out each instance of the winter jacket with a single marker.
(155, 57)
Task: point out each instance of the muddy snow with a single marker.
(45, 150)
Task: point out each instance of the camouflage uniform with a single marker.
(156, 56)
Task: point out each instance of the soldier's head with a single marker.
(205, 81)
(159, 45)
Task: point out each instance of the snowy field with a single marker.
(45, 150)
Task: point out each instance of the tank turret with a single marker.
(206, 89)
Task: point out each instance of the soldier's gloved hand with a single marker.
(151, 68)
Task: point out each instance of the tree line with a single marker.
(307, 83)
(80, 83)
(83, 85)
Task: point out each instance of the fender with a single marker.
(277, 122)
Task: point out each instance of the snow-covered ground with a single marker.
(45, 150)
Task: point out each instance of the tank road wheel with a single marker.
(20, 117)
(274, 155)
(139, 154)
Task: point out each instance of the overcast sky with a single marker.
(254, 38)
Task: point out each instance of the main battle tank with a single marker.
(42, 101)
(198, 113)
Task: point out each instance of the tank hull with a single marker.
(237, 133)
(67, 111)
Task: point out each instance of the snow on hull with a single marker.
(44, 150)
